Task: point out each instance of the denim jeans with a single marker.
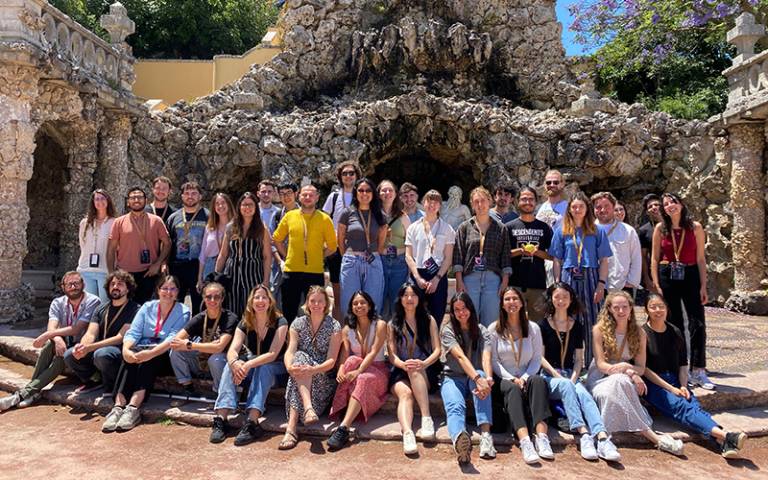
(580, 407)
(357, 274)
(209, 266)
(687, 412)
(185, 366)
(483, 289)
(94, 284)
(106, 360)
(395, 275)
(260, 379)
(454, 391)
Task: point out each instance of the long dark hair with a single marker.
(351, 319)
(256, 229)
(679, 339)
(423, 319)
(474, 323)
(213, 219)
(502, 326)
(375, 205)
(686, 221)
(574, 309)
(397, 203)
(90, 217)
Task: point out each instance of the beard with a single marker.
(136, 207)
(115, 294)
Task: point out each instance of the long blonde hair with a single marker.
(588, 225)
(249, 316)
(606, 324)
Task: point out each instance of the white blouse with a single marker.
(503, 354)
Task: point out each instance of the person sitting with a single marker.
(314, 341)
(466, 353)
(561, 365)
(101, 348)
(261, 333)
(413, 346)
(516, 352)
(206, 335)
(68, 318)
(666, 375)
(145, 353)
(364, 372)
(615, 374)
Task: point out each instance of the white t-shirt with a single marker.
(343, 200)
(94, 241)
(417, 238)
(550, 214)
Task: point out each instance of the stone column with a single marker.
(113, 161)
(747, 141)
(18, 90)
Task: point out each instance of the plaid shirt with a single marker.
(496, 251)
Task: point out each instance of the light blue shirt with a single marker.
(594, 248)
(142, 331)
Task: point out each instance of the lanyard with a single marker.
(482, 236)
(517, 349)
(205, 326)
(160, 320)
(187, 224)
(366, 228)
(563, 345)
(675, 248)
(73, 315)
(615, 224)
(143, 228)
(579, 247)
(108, 323)
(306, 232)
(162, 215)
(428, 232)
(96, 231)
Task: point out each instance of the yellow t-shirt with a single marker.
(320, 235)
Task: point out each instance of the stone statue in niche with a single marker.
(453, 211)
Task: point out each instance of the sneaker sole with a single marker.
(741, 440)
(463, 448)
(731, 455)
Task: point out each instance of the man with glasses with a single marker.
(186, 228)
(553, 209)
(100, 352)
(68, 318)
(161, 190)
(139, 244)
(287, 192)
(202, 343)
(310, 237)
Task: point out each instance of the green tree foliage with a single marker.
(183, 28)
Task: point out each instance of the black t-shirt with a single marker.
(645, 232)
(552, 344)
(160, 212)
(107, 317)
(529, 272)
(255, 348)
(665, 351)
(226, 326)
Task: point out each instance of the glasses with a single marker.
(552, 182)
(72, 284)
(348, 173)
(364, 190)
(169, 289)
(136, 197)
(213, 297)
(286, 193)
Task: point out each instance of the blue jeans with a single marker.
(209, 266)
(106, 360)
(260, 379)
(687, 412)
(357, 274)
(483, 289)
(578, 402)
(94, 284)
(185, 366)
(454, 391)
(395, 275)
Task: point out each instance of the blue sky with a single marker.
(571, 48)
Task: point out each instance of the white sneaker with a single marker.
(608, 451)
(529, 452)
(588, 451)
(543, 446)
(487, 449)
(110, 423)
(130, 418)
(427, 428)
(700, 378)
(409, 443)
(669, 444)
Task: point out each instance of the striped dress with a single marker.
(245, 268)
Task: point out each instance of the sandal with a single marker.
(288, 442)
(310, 416)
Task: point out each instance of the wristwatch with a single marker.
(189, 344)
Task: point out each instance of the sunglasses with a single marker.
(348, 173)
(552, 182)
(364, 190)
(213, 297)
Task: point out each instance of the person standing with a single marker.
(100, 349)
(625, 265)
(347, 173)
(652, 209)
(267, 210)
(529, 239)
(361, 234)
(161, 190)
(287, 192)
(679, 272)
(187, 227)
(502, 211)
(393, 261)
(310, 238)
(429, 244)
(94, 238)
(139, 244)
(222, 211)
(553, 209)
(409, 195)
(246, 254)
(481, 258)
(68, 318)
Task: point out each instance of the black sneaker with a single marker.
(249, 433)
(339, 438)
(734, 442)
(219, 432)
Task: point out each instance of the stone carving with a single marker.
(453, 211)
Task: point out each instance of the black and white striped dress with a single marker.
(245, 270)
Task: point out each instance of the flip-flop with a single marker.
(288, 442)
(310, 416)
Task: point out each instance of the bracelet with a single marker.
(601, 281)
(477, 377)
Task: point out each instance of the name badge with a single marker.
(391, 251)
(369, 257)
(93, 260)
(577, 273)
(479, 263)
(183, 247)
(431, 266)
(144, 256)
(676, 271)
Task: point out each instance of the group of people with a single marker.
(543, 294)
